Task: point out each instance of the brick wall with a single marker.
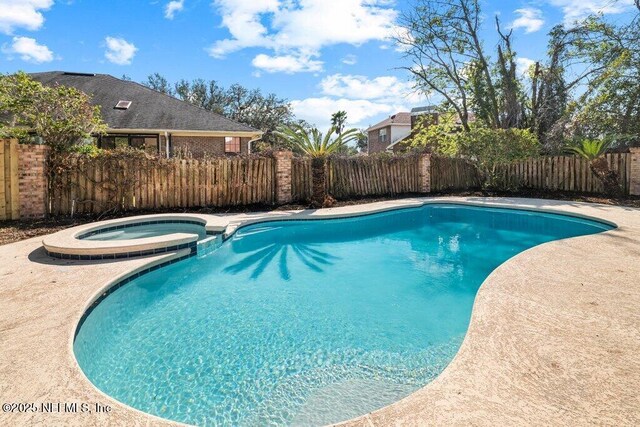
(32, 181)
(634, 184)
(425, 173)
(199, 146)
(374, 144)
(283, 176)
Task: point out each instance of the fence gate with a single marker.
(9, 197)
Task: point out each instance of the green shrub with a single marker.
(487, 148)
(491, 148)
(90, 150)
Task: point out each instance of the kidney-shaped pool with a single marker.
(305, 322)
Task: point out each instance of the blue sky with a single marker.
(322, 55)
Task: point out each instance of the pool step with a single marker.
(209, 245)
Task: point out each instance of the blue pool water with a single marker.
(305, 322)
(139, 231)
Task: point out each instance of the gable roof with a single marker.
(397, 119)
(149, 109)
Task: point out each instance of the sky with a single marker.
(321, 55)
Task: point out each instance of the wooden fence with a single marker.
(567, 173)
(373, 175)
(358, 176)
(9, 195)
(301, 188)
(94, 185)
(452, 174)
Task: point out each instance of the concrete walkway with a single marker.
(554, 337)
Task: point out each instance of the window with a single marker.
(148, 143)
(382, 135)
(231, 144)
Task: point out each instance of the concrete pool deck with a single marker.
(554, 336)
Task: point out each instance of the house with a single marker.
(389, 134)
(144, 118)
(388, 131)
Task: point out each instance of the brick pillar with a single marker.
(32, 180)
(283, 176)
(424, 169)
(634, 184)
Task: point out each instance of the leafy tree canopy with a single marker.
(588, 86)
(313, 142)
(249, 106)
(62, 116)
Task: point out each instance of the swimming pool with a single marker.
(305, 322)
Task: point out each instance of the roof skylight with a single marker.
(123, 105)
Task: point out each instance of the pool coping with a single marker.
(627, 219)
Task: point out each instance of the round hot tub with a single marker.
(141, 230)
(129, 237)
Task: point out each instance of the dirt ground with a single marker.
(13, 231)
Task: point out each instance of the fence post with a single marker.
(424, 171)
(283, 176)
(9, 182)
(32, 180)
(634, 179)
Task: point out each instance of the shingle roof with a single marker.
(149, 109)
(397, 119)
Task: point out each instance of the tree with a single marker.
(262, 112)
(62, 116)
(550, 92)
(594, 151)
(443, 42)
(338, 120)
(610, 107)
(487, 148)
(158, 83)
(249, 106)
(439, 138)
(207, 95)
(491, 148)
(318, 146)
(362, 141)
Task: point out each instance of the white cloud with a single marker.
(523, 65)
(383, 88)
(243, 20)
(172, 7)
(29, 50)
(361, 97)
(119, 51)
(350, 59)
(301, 28)
(22, 14)
(577, 10)
(318, 110)
(286, 63)
(530, 19)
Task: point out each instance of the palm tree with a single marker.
(594, 151)
(338, 119)
(318, 146)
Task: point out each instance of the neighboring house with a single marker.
(388, 132)
(428, 113)
(144, 118)
(392, 133)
